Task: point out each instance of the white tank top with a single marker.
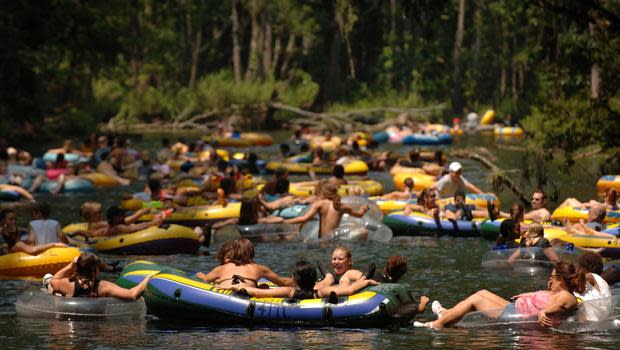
(597, 302)
(45, 231)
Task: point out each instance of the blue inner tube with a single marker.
(422, 225)
(69, 157)
(380, 137)
(70, 186)
(427, 139)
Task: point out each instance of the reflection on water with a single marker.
(445, 269)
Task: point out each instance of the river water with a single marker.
(446, 269)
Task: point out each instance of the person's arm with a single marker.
(304, 218)
(213, 275)
(32, 237)
(347, 290)
(109, 289)
(514, 256)
(34, 249)
(124, 229)
(413, 207)
(271, 220)
(471, 187)
(356, 213)
(66, 271)
(134, 217)
(564, 302)
(218, 225)
(61, 235)
(326, 282)
(278, 292)
(23, 192)
(274, 277)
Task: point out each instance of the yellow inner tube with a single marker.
(26, 265)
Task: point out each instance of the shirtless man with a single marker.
(539, 212)
(330, 211)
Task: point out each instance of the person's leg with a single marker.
(482, 300)
(36, 183)
(60, 182)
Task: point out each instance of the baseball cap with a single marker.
(455, 166)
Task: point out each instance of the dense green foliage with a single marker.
(73, 64)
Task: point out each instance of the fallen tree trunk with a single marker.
(498, 176)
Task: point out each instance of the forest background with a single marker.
(69, 66)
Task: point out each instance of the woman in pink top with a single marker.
(558, 300)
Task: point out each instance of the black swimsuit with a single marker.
(80, 291)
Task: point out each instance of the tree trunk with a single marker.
(457, 91)
(195, 59)
(136, 50)
(290, 48)
(276, 54)
(267, 52)
(477, 39)
(596, 71)
(522, 78)
(236, 48)
(253, 54)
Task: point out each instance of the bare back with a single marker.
(329, 217)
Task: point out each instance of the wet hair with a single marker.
(155, 186)
(115, 212)
(423, 195)
(86, 271)
(228, 185)
(285, 148)
(591, 262)
(346, 250)
(541, 191)
(5, 212)
(60, 157)
(611, 196)
(439, 157)
(517, 212)
(224, 253)
(395, 268)
(305, 275)
(42, 208)
(304, 147)
(282, 186)
(507, 232)
(414, 155)
(409, 183)
(280, 172)
(338, 171)
(330, 192)
(165, 142)
(459, 194)
(10, 234)
(574, 280)
(249, 212)
(536, 230)
(242, 252)
(88, 209)
(222, 165)
(599, 212)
